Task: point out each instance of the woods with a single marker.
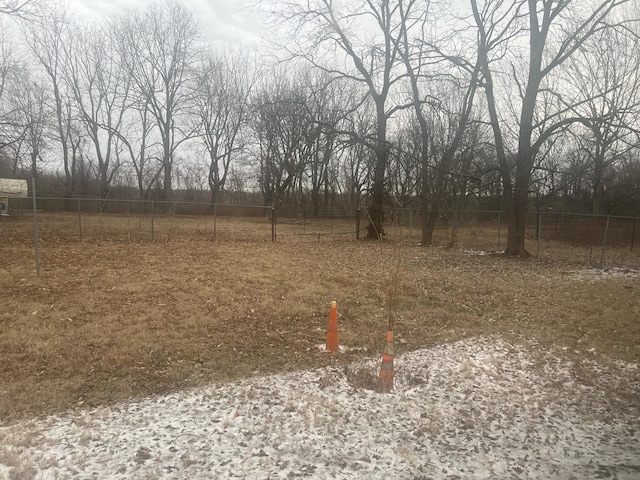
(513, 105)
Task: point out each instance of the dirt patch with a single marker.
(110, 321)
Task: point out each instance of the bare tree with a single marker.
(101, 89)
(286, 135)
(237, 180)
(364, 36)
(136, 130)
(32, 113)
(23, 9)
(357, 161)
(624, 194)
(328, 107)
(11, 72)
(610, 104)
(159, 48)
(442, 87)
(224, 85)
(8, 61)
(403, 173)
(554, 31)
(46, 39)
(136, 136)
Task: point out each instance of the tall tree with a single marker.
(606, 74)
(403, 173)
(101, 89)
(286, 135)
(136, 136)
(224, 84)
(23, 9)
(443, 85)
(160, 47)
(32, 113)
(554, 31)
(364, 36)
(357, 160)
(47, 38)
(328, 104)
(11, 72)
(136, 130)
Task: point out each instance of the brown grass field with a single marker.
(112, 320)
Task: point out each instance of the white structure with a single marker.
(11, 188)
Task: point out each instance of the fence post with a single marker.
(633, 232)
(152, 218)
(604, 242)
(79, 221)
(36, 238)
(273, 224)
(410, 224)
(499, 226)
(215, 221)
(538, 233)
(331, 219)
(358, 213)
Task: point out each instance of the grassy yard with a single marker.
(112, 320)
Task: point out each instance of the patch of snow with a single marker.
(600, 273)
(341, 348)
(480, 253)
(474, 409)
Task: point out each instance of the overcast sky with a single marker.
(227, 20)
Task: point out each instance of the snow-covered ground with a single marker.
(479, 408)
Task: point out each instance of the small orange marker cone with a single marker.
(386, 370)
(333, 344)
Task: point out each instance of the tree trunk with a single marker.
(429, 218)
(168, 183)
(517, 203)
(375, 228)
(315, 200)
(215, 193)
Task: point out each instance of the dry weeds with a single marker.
(110, 321)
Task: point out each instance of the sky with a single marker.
(229, 21)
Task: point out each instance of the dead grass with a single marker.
(109, 321)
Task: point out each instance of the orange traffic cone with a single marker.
(333, 344)
(386, 370)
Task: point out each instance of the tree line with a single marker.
(429, 104)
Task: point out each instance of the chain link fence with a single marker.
(601, 241)
(130, 220)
